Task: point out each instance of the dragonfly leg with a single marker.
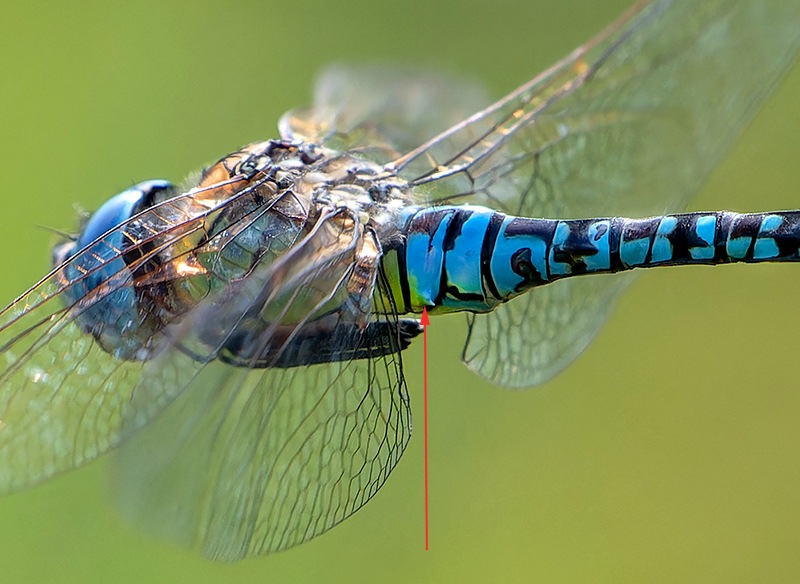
(316, 343)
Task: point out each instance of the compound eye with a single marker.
(122, 207)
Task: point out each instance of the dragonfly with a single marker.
(238, 339)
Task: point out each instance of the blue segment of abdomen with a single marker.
(471, 258)
(705, 229)
(560, 241)
(599, 237)
(765, 246)
(633, 250)
(518, 236)
(662, 246)
(462, 261)
(737, 244)
(425, 257)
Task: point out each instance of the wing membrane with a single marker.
(378, 112)
(629, 124)
(261, 460)
(252, 461)
(63, 398)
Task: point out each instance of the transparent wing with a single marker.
(629, 124)
(63, 399)
(258, 320)
(62, 405)
(381, 112)
(252, 461)
(255, 462)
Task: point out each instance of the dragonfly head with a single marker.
(111, 214)
(93, 270)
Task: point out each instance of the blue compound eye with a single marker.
(113, 213)
(119, 209)
(112, 316)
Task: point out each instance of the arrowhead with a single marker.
(424, 321)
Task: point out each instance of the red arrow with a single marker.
(425, 321)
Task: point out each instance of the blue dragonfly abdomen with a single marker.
(473, 258)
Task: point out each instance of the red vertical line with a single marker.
(425, 321)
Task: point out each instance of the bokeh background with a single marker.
(666, 453)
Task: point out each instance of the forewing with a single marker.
(252, 461)
(63, 399)
(379, 111)
(630, 124)
(255, 462)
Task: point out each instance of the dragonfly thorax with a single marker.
(149, 256)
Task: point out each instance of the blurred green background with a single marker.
(666, 453)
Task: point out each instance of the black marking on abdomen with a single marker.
(487, 249)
